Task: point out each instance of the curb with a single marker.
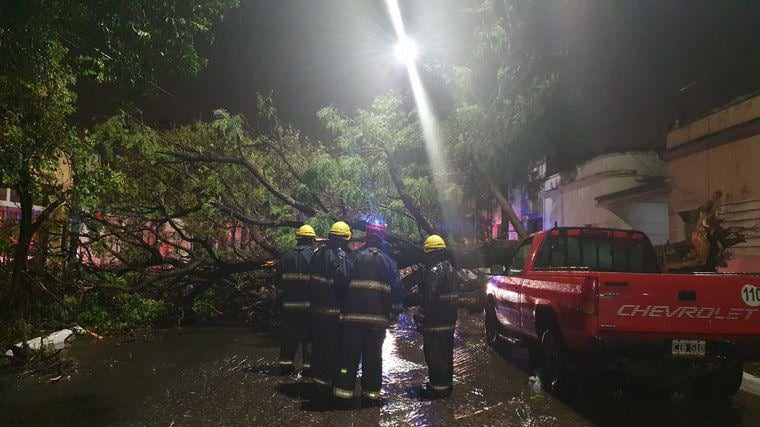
(751, 384)
(56, 340)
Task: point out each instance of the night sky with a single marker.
(633, 68)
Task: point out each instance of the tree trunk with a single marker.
(411, 203)
(16, 300)
(503, 202)
(42, 247)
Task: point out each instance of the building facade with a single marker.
(10, 209)
(719, 152)
(618, 190)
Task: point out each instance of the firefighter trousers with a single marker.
(294, 332)
(439, 356)
(325, 333)
(365, 343)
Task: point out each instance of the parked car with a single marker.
(590, 300)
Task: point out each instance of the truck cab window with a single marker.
(605, 254)
(573, 251)
(597, 253)
(518, 261)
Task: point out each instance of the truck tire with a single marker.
(491, 324)
(724, 381)
(643, 387)
(554, 366)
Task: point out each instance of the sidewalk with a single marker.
(751, 384)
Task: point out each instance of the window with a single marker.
(621, 254)
(518, 261)
(639, 256)
(573, 251)
(604, 254)
(598, 252)
(560, 252)
(3, 194)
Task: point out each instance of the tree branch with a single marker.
(45, 214)
(289, 166)
(255, 221)
(250, 167)
(410, 202)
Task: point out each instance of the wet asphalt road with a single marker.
(227, 376)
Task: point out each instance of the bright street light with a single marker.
(406, 51)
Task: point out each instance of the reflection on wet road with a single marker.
(487, 389)
(226, 376)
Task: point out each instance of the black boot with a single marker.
(429, 393)
(340, 404)
(321, 400)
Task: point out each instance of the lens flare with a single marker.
(406, 51)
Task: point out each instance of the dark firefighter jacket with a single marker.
(293, 276)
(329, 269)
(437, 296)
(368, 297)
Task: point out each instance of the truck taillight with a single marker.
(590, 300)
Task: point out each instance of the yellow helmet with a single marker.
(433, 243)
(306, 231)
(341, 229)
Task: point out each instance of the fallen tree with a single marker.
(48, 51)
(160, 219)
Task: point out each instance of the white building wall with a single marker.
(649, 217)
(570, 198)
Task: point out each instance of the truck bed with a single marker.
(679, 303)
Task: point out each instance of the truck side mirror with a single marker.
(497, 270)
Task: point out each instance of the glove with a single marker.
(393, 318)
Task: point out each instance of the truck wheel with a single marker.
(554, 369)
(491, 324)
(724, 381)
(643, 387)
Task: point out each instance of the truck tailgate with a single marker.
(686, 304)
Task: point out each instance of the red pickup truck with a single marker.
(589, 299)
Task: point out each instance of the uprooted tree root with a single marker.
(707, 248)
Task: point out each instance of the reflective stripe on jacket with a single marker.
(368, 296)
(329, 268)
(293, 277)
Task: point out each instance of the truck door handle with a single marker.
(616, 284)
(687, 296)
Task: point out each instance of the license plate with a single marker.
(688, 347)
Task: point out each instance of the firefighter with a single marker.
(437, 317)
(293, 277)
(365, 314)
(329, 274)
